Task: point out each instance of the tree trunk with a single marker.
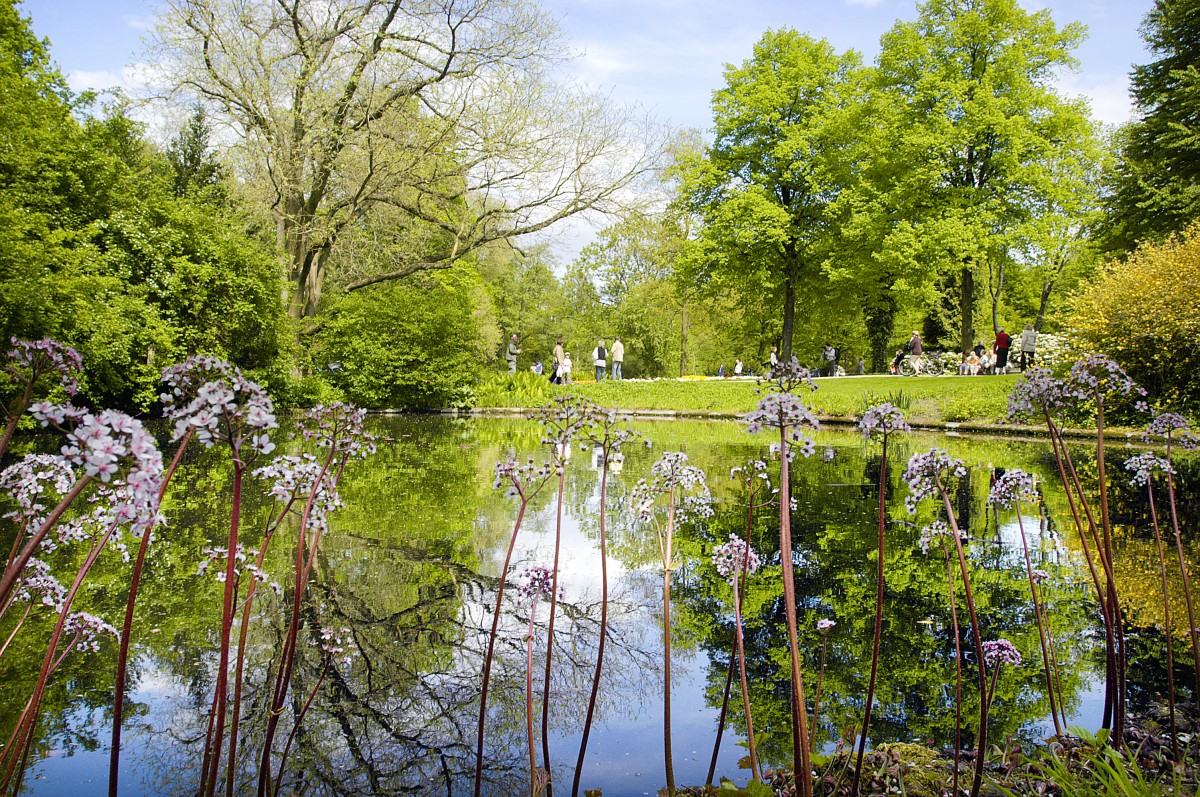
(881, 322)
(1043, 303)
(995, 286)
(683, 333)
(966, 306)
(789, 319)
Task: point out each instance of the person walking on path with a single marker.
(1003, 344)
(600, 360)
(556, 375)
(1028, 345)
(618, 357)
(774, 357)
(737, 367)
(915, 350)
(511, 353)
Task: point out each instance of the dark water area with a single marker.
(408, 572)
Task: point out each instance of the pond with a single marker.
(407, 575)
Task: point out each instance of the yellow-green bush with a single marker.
(1145, 313)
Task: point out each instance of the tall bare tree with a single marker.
(446, 110)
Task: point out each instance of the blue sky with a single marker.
(667, 55)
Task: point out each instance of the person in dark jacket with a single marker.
(1003, 344)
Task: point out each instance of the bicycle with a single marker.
(931, 364)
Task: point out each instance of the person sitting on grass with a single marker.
(972, 363)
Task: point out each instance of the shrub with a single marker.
(1145, 314)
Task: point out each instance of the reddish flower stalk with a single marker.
(114, 760)
(523, 482)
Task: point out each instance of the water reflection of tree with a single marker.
(833, 533)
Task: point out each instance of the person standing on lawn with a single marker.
(1028, 346)
(556, 375)
(1003, 344)
(618, 357)
(600, 360)
(915, 350)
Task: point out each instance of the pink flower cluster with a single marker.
(535, 582)
(882, 420)
(1013, 486)
(931, 533)
(212, 397)
(37, 583)
(244, 559)
(333, 645)
(728, 558)
(293, 478)
(87, 629)
(1144, 466)
(27, 481)
(338, 426)
(925, 472)
(1174, 427)
(824, 624)
(29, 359)
(1001, 651)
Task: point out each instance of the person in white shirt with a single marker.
(600, 360)
(618, 357)
(737, 368)
(1028, 345)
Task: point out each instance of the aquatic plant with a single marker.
(1013, 488)
(927, 475)
(879, 423)
(1144, 466)
(683, 488)
(607, 431)
(523, 482)
(783, 411)
(27, 362)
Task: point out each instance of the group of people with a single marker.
(980, 361)
(561, 364)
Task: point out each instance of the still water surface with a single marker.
(410, 568)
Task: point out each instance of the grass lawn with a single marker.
(929, 399)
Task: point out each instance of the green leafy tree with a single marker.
(409, 344)
(765, 188)
(1156, 185)
(978, 119)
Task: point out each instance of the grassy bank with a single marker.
(928, 399)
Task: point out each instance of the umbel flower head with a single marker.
(787, 376)
(29, 359)
(521, 481)
(932, 532)
(1100, 375)
(824, 624)
(729, 557)
(535, 582)
(213, 398)
(1037, 393)
(1144, 466)
(926, 472)
(1001, 651)
(882, 420)
(672, 474)
(1013, 487)
(1173, 427)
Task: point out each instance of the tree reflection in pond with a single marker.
(411, 568)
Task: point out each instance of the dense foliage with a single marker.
(1146, 312)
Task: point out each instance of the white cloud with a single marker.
(1108, 94)
(864, 3)
(136, 22)
(83, 80)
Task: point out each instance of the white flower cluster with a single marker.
(213, 398)
(27, 481)
(522, 481)
(87, 629)
(1144, 466)
(930, 533)
(882, 420)
(672, 474)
